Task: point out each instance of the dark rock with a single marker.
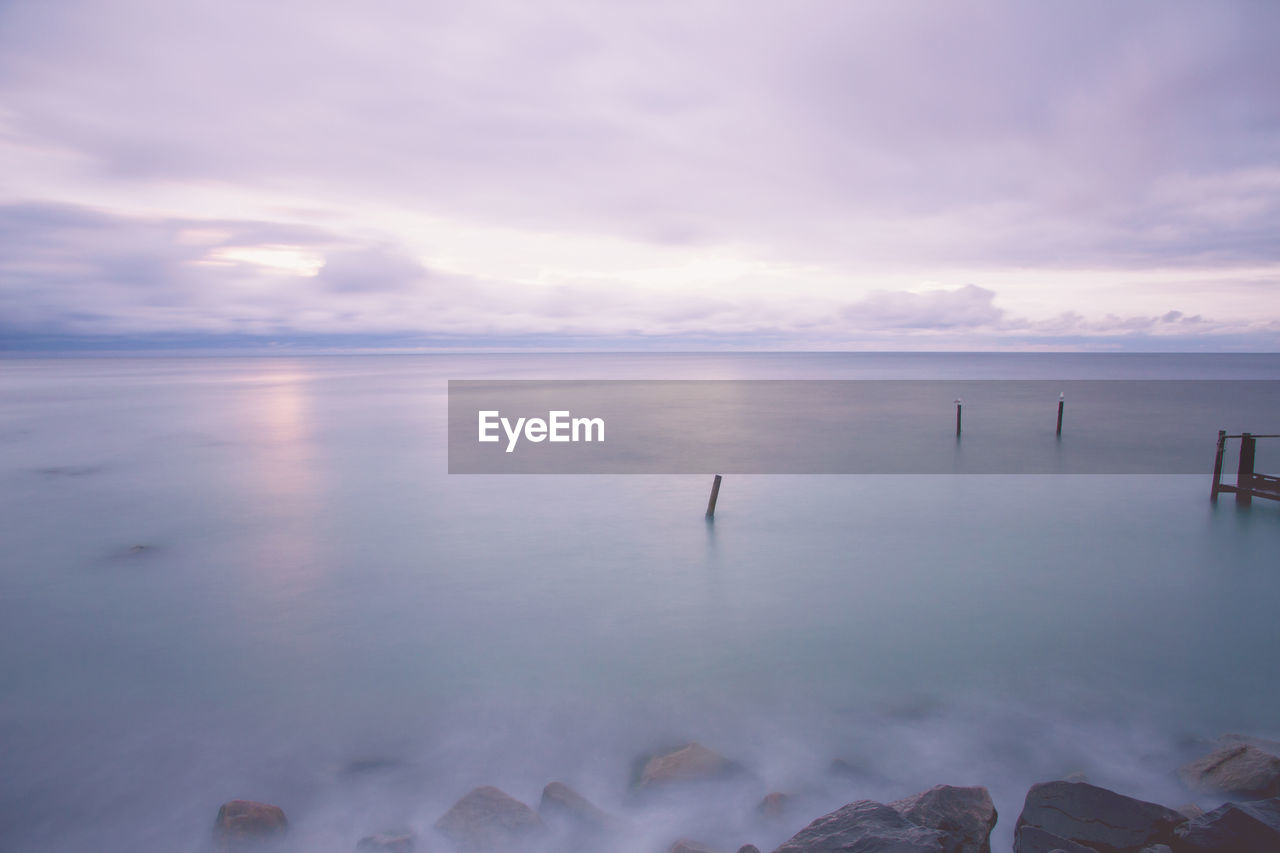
(1236, 768)
(967, 815)
(690, 763)
(241, 823)
(1032, 839)
(774, 805)
(1096, 817)
(686, 846)
(748, 848)
(386, 843)
(1252, 827)
(489, 819)
(561, 801)
(865, 825)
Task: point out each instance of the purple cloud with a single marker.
(857, 143)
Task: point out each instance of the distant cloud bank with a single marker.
(827, 175)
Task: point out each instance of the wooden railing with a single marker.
(1249, 484)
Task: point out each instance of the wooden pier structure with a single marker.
(1249, 484)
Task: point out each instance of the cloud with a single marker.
(1064, 130)
(964, 307)
(371, 269)
(69, 270)
(853, 143)
(74, 269)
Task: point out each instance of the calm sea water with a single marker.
(252, 577)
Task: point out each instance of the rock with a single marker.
(690, 763)
(1158, 848)
(686, 846)
(748, 848)
(1264, 744)
(967, 815)
(562, 802)
(774, 805)
(1096, 817)
(1252, 827)
(386, 843)
(1237, 768)
(241, 823)
(1032, 839)
(489, 819)
(865, 825)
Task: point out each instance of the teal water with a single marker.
(252, 577)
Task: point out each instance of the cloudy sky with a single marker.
(801, 174)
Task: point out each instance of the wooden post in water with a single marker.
(1062, 399)
(959, 403)
(1217, 465)
(715, 493)
(1244, 474)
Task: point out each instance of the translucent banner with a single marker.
(854, 426)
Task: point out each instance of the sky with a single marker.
(673, 175)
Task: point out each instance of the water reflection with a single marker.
(281, 486)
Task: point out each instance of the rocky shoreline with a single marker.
(1057, 816)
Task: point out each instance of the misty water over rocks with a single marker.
(252, 578)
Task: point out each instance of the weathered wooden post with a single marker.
(959, 403)
(1062, 399)
(715, 493)
(1244, 474)
(1217, 465)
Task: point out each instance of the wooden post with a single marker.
(1062, 398)
(959, 403)
(1217, 465)
(715, 493)
(1244, 474)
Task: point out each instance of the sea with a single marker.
(253, 577)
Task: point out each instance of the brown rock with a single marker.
(1264, 744)
(774, 805)
(690, 763)
(489, 819)
(386, 843)
(559, 800)
(243, 822)
(967, 815)
(1235, 768)
(1252, 827)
